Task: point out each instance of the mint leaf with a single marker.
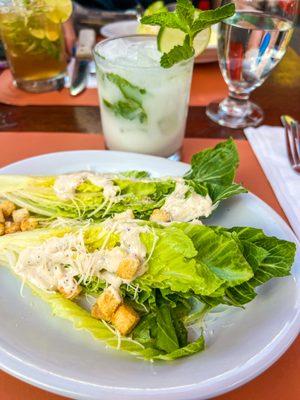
(166, 19)
(177, 54)
(132, 106)
(128, 109)
(128, 90)
(185, 11)
(211, 17)
(52, 48)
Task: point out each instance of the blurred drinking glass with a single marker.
(250, 45)
(32, 35)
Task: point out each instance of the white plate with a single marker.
(47, 352)
(121, 28)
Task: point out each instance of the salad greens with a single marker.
(164, 276)
(212, 173)
(190, 269)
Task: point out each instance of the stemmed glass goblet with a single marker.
(250, 45)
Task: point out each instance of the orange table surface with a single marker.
(208, 85)
(279, 382)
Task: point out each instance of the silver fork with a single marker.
(292, 136)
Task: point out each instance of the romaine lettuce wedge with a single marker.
(187, 266)
(212, 174)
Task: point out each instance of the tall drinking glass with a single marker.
(143, 106)
(250, 45)
(34, 44)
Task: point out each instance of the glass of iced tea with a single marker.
(31, 32)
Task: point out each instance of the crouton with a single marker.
(108, 302)
(125, 319)
(7, 207)
(2, 229)
(11, 227)
(2, 219)
(160, 216)
(20, 214)
(70, 294)
(29, 224)
(128, 268)
(95, 312)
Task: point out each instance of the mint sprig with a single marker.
(186, 19)
(166, 19)
(211, 17)
(185, 11)
(177, 54)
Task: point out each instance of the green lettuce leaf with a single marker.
(212, 172)
(173, 264)
(192, 348)
(219, 253)
(269, 258)
(216, 169)
(166, 334)
(82, 320)
(188, 265)
(135, 174)
(163, 328)
(216, 165)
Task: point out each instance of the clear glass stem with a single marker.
(236, 111)
(236, 104)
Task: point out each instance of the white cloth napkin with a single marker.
(268, 144)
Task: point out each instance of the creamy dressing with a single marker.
(55, 263)
(111, 279)
(178, 204)
(45, 265)
(65, 185)
(129, 232)
(184, 209)
(109, 189)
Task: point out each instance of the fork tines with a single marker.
(292, 132)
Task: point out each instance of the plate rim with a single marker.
(115, 23)
(113, 152)
(232, 379)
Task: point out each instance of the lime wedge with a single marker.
(157, 6)
(36, 25)
(169, 38)
(59, 10)
(52, 31)
(147, 29)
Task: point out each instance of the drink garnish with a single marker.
(189, 20)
